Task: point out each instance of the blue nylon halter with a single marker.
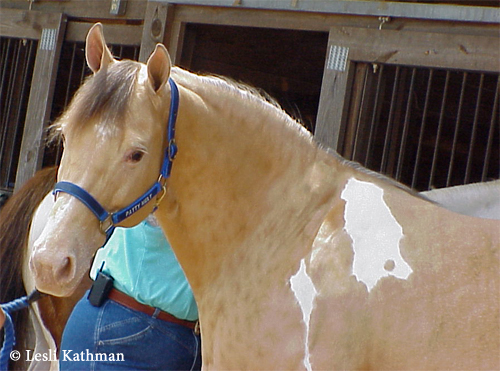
(116, 217)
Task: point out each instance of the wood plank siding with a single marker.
(355, 72)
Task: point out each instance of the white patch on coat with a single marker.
(305, 293)
(375, 234)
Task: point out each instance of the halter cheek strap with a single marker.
(109, 220)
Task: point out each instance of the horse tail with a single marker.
(15, 222)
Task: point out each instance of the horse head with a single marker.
(113, 133)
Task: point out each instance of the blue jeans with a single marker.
(114, 337)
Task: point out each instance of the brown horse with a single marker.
(49, 314)
(297, 258)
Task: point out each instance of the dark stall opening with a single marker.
(286, 64)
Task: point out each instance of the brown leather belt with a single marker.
(131, 303)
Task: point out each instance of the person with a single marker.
(147, 320)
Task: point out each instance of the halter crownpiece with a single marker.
(108, 221)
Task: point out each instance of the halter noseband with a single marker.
(108, 220)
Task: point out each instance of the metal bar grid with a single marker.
(422, 131)
(491, 133)
(406, 124)
(427, 127)
(456, 129)
(474, 130)
(387, 139)
(375, 117)
(362, 109)
(17, 58)
(439, 130)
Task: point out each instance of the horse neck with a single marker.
(242, 165)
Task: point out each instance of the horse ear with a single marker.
(96, 51)
(159, 66)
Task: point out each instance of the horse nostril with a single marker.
(54, 273)
(65, 271)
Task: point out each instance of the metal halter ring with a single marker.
(163, 193)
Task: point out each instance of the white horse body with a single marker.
(481, 200)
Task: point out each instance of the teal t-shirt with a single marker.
(144, 267)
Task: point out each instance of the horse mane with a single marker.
(259, 100)
(266, 103)
(108, 92)
(105, 94)
(15, 221)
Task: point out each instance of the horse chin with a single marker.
(51, 287)
(59, 290)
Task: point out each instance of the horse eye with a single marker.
(135, 156)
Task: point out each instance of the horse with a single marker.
(298, 259)
(40, 331)
(50, 315)
(476, 199)
(481, 200)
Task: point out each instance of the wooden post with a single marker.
(334, 102)
(50, 31)
(155, 26)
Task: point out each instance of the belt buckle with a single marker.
(197, 329)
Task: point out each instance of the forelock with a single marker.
(105, 96)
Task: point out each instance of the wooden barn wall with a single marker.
(453, 148)
(43, 34)
(57, 70)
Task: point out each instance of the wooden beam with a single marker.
(24, 24)
(155, 27)
(334, 99)
(51, 32)
(364, 7)
(426, 49)
(91, 10)
(399, 47)
(114, 33)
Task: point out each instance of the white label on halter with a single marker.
(305, 293)
(375, 234)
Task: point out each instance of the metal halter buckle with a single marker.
(105, 228)
(171, 149)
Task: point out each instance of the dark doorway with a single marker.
(286, 64)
